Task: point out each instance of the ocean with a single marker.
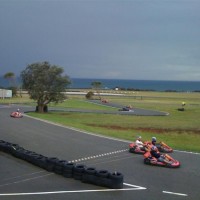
(151, 85)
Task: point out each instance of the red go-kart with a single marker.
(172, 163)
(16, 115)
(133, 148)
(162, 147)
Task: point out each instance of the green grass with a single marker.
(81, 104)
(180, 130)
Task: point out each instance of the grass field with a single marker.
(180, 129)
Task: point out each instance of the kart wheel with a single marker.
(147, 161)
(132, 150)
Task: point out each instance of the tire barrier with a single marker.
(67, 169)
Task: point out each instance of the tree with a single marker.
(89, 95)
(97, 85)
(45, 83)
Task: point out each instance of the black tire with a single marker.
(18, 152)
(42, 162)
(89, 175)
(26, 155)
(2, 143)
(30, 156)
(116, 180)
(132, 150)
(147, 161)
(102, 173)
(51, 162)
(36, 159)
(68, 170)
(102, 178)
(58, 169)
(90, 170)
(6, 147)
(78, 171)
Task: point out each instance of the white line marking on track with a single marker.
(28, 179)
(29, 174)
(189, 152)
(97, 156)
(174, 193)
(133, 187)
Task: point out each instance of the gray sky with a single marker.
(118, 39)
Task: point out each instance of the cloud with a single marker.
(106, 39)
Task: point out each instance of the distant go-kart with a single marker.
(162, 147)
(126, 108)
(16, 115)
(104, 101)
(149, 160)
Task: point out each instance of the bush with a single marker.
(89, 95)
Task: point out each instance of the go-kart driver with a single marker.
(160, 157)
(153, 141)
(141, 145)
(139, 142)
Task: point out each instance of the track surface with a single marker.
(134, 111)
(21, 180)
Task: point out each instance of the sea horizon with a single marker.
(128, 84)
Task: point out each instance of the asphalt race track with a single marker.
(21, 180)
(134, 111)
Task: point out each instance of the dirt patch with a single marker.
(146, 129)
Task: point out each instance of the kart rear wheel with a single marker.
(147, 161)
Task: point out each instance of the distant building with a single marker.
(5, 93)
(116, 88)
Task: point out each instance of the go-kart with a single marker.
(126, 108)
(16, 115)
(172, 163)
(162, 147)
(104, 101)
(133, 148)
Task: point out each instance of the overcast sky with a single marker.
(117, 39)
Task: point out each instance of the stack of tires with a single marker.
(67, 169)
(103, 178)
(93, 176)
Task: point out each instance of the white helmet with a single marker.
(139, 137)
